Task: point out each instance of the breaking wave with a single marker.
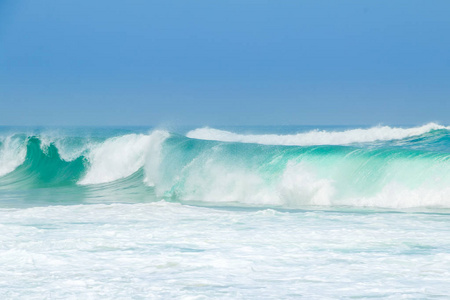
(409, 169)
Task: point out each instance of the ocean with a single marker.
(262, 212)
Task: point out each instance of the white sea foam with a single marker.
(12, 154)
(316, 137)
(166, 250)
(72, 152)
(67, 149)
(300, 185)
(120, 157)
(153, 157)
(211, 181)
(398, 196)
(216, 182)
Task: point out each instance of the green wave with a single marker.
(281, 175)
(44, 168)
(200, 171)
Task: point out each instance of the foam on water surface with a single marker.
(166, 250)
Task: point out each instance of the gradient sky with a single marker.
(143, 62)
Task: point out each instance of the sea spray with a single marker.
(12, 153)
(116, 158)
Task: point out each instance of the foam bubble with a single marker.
(316, 137)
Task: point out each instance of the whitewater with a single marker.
(232, 212)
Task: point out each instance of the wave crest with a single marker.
(316, 137)
(122, 156)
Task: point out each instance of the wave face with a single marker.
(380, 167)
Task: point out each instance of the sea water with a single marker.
(243, 212)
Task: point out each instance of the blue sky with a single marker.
(224, 62)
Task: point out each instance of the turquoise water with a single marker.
(237, 212)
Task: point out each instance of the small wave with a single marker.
(317, 137)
